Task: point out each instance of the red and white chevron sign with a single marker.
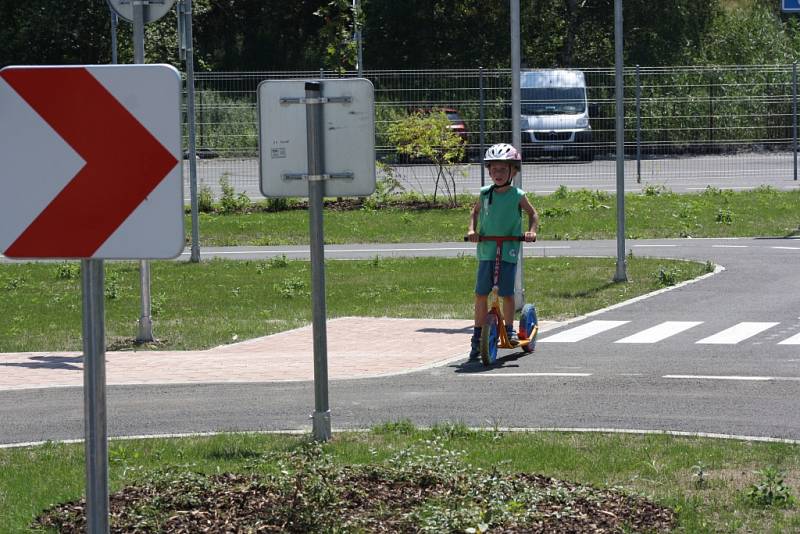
(90, 162)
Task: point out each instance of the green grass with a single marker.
(206, 304)
(662, 468)
(657, 213)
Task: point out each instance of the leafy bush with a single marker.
(668, 277)
(67, 270)
(724, 216)
(385, 187)
(770, 490)
(230, 201)
(428, 137)
(205, 200)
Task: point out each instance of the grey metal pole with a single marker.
(357, 26)
(113, 35)
(138, 31)
(94, 397)
(321, 418)
(638, 127)
(145, 333)
(621, 273)
(794, 117)
(516, 116)
(482, 140)
(187, 24)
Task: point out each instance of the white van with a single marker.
(555, 114)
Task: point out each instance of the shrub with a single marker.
(230, 201)
(205, 200)
(428, 137)
(770, 490)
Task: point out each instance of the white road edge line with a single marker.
(732, 377)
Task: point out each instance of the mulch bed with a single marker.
(367, 502)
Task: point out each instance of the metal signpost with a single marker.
(141, 12)
(620, 275)
(317, 138)
(516, 129)
(187, 54)
(68, 193)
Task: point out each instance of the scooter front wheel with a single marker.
(489, 339)
(529, 322)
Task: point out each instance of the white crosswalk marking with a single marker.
(660, 332)
(794, 340)
(582, 332)
(736, 333)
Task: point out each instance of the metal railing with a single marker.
(731, 121)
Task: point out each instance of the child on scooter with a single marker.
(497, 212)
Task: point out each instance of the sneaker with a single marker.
(475, 350)
(512, 336)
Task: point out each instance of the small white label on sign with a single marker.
(278, 153)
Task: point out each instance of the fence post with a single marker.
(482, 139)
(794, 118)
(711, 112)
(202, 119)
(638, 128)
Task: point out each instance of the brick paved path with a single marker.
(357, 347)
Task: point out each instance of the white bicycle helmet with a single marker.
(503, 152)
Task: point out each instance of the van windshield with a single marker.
(553, 100)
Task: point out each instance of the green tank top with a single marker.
(502, 217)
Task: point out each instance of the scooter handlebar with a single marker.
(498, 238)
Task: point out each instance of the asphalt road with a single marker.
(679, 174)
(669, 362)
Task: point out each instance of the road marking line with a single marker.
(654, 245)
(582, 332)
(494, 375)
(728, 246)
(736, 333)
(794, 340)
(786, 248)
(743, 378)
(660, 332)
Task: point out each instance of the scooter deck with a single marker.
(522, 342)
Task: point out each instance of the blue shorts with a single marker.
(483, 283)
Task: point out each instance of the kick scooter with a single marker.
(493, 333)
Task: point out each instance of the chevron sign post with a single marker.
(91, 162)
(91, 169)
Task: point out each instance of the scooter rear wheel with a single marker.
(529, 322)
(489, 339)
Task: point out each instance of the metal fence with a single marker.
(728, 126)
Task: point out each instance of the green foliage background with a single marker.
(410, 34)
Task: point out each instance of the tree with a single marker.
(236, 35)
(428, 137)
(43, 32)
